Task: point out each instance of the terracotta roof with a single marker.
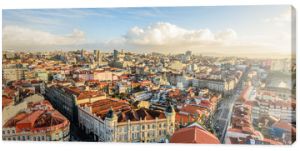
(6, 101)
(183, 118)
(89, 94)
(31, 118)
(10, 92)
(194, 134)
(38, 118)
(205, 103)
(142, 113)
(192, 109)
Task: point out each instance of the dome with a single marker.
(170, 108)
(110, 113)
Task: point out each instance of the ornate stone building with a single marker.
(115, 121)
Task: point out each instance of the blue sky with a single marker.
(100, 26)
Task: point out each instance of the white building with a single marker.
(115, 121)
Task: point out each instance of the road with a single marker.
(222, 116)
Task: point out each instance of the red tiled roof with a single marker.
(10, 92)
(194, 134)
(6, 101)
(89, 94)
(191, 109)
(38, 119)
(183, 118)
(31, 118)
(205, 103)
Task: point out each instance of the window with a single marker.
(13, 131)
(8, 132)
(143, 127)
(148, 126)
(3, 132)
(138, 135)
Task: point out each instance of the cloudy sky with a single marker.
(232, 30)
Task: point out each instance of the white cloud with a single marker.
(160, 37)
(282, 19)
(166, 34)
(15, 37)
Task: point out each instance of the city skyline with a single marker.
(221, 30)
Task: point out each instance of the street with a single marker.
(223, 113)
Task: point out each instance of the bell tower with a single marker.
(111, 120)
(170, 116)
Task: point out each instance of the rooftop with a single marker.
(194, 134)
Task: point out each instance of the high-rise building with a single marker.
(116, 53)
(188, 53)
(98, 57)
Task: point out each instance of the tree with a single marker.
(181, 121)
(203, 120)
(189, 119)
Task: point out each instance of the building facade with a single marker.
(40, 122)
(63, 101)
(121, 123)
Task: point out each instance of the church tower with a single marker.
(170, 116)
(111, 121)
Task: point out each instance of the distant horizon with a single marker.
(266, 55)
(201, 29)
